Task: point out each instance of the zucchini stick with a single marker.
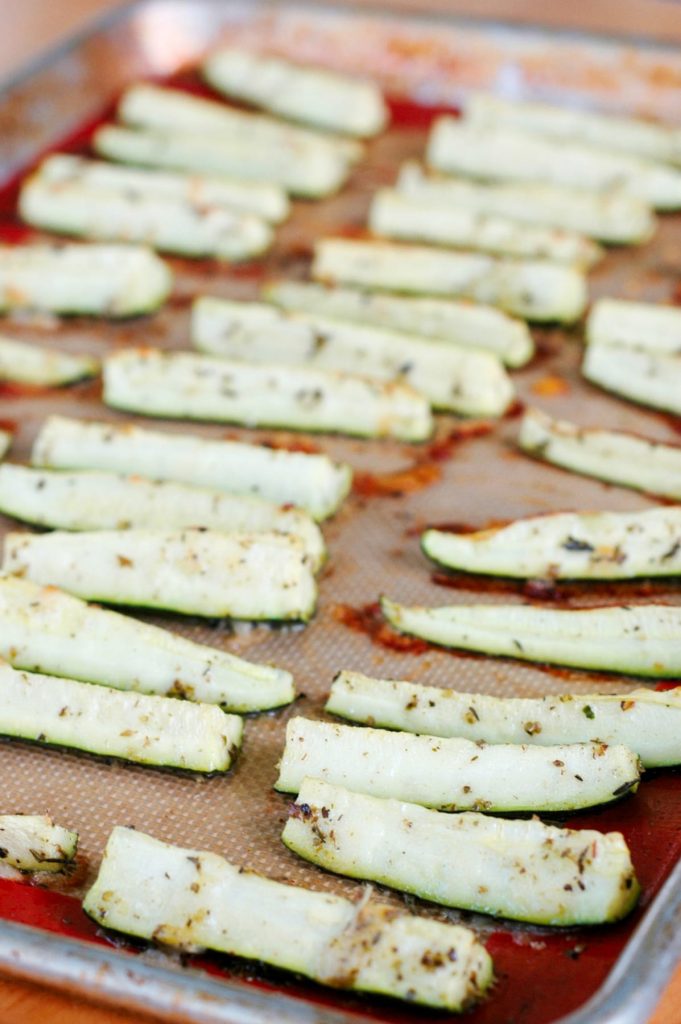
(101, 280)
(195, 572)
(406, 218)
(523, 870)
(444, 320)
(534, 290)
(506, 154)
(195, 900)
(637, 640)
(645, 325)
(33, 364)
(451, 378)
(567, 545)
(611, 216)
(91, 500)
(455, 774)
(43, 629)
(132, 726)
(5, 442)
(312, 95)
(32, 842)
(612, 455)
(649, 377)
(187, 386)
(645, 721)
(306, 480)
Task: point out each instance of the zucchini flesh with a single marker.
(455, 774)
(91, 500)
(646, 325)
(131, 726)
(531, 289)
(612, 216)
(567, 545)
(32, 842)
(102, 280)
(523, 870)
(444, 320)
(187, 386)
(5, 442)
(410, 219)
(315, 96)
(32, 364)
(643, 720)
(613, 455)
(506, 154)
(639, 640)
(43, 629)
(321, 171)
(644, 376)
(195, 572)
(194, 900)
(110, 213)
(309, 481)
(451, 378)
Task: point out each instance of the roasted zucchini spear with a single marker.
(195, 900)
(33, 364)
(643, 325)
(456, 774)
(649, 377)
(523, 870)
(5, 442)
(32, 842)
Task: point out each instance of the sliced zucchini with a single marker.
(102, 280)
(645, 721)
(114, 213)
(534, 290)
(33, 364)
(309, 481)
(42, 629)
(455, 774)
(196, 900)
(91, 500)
(646, 325)
(320, 172)
(639, 640)
(132, 726)
(523, 870)
(187, 386)
(32, 842)
(651, 139)
(649, 377)
(613, 455)
(612, 216)
(506, 154)
(408, 218)
(451, 378)
(5, 442)
(196, 572)
(446, 321)
(567, 545)
(312, 95)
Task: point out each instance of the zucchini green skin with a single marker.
(309, 481)
(195, 900)
(612, 455)
(638, 640)
(462, 147)
(262, 576)
(642, 720)
(312, 95)
(91, 500)
(532, 289)
(651, 378)
(135, 727)
(644, 325)
(451, 378)
(32, 842)
(5, 442)
(443, 320)
(43, 629)
(523, 870)
(183, 385)
(455, 774)
(122, 280)
(31, 364)
(566, 545)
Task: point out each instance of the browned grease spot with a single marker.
(515, 409)
(292, 444)
(550, 386)
(369, 620)
(9, 425)
(605, 592)
(13, 389)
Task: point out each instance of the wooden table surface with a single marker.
(38, 24)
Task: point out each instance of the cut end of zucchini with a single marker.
(32, 843)
(33, 364)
